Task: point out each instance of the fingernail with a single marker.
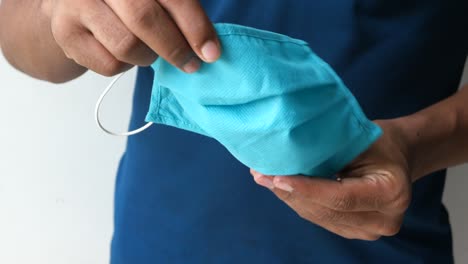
(192, 65)
(210, 51)
(264, 181)
(256, 174)
(283, 186)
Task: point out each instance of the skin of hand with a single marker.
(106, 36)
(372, 194)
(368, 202)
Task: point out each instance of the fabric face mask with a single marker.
(274, 104)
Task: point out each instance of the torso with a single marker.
(182, 198)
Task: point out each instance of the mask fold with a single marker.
(270, 100)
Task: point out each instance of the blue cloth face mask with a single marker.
(274, 104)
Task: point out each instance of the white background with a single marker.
(57, 171)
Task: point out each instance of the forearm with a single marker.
(27, 42)
(438, 136)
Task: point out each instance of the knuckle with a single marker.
(303, 214)
(402, 203)
(399, 200)
(395, 193)
(125, 47)
(170, 2)
(327, 215)
(179, 55)
(63, 32)
(369, 237)
(111, 67)
(144, 14)
(343, 203)
(390, 230)
(286, 197)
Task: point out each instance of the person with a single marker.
(182, 198)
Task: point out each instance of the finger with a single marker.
(369, 222)
(150, 23)
(265, 181)
(375, 222)
(195, 26)
(81, 46)
(348, 225)
(350, 232)
(342, 230)
(109, 30)
(367, 193)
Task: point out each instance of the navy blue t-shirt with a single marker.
(182, 198)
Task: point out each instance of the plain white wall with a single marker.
(57, 171)
(455, 198)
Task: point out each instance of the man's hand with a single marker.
(374, 191)
(58, 40)
(369, 200)
(113, 35)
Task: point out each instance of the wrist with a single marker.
(428, 138)
(410, 127)
(398, 131)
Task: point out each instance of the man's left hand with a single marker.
(367, 201)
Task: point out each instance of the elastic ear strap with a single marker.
(98, 107)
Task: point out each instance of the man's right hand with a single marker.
(111, 36)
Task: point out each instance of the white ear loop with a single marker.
(98, 106)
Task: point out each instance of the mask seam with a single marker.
(359, 116)
(159, 99)
(158, 94)
(162, 117)
(366, 128)
(227, 29)
(159, 116)
(372, 134)
(169, 120)
(173, 120)
(357, 111)
(295, 42)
